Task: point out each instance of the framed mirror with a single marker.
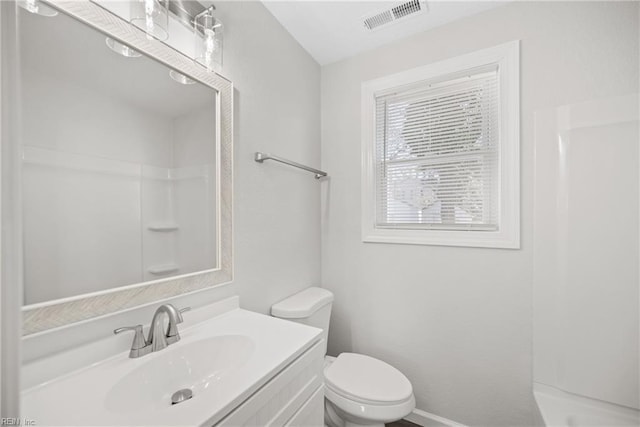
(125, 174)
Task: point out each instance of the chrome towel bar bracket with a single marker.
(261, 157)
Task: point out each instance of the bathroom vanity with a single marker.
(243, 368)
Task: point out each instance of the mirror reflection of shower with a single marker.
(119, 163)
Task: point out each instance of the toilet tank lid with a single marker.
(303, 304)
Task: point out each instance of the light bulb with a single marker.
(37, 7)
(181, 78)
(122, 49)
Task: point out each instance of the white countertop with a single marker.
(78, 398)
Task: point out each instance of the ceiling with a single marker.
(333, 30)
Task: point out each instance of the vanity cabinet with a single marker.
(293, 397)
(243, 368)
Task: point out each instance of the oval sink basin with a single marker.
(197, 366)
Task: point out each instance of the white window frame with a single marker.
(507, 59)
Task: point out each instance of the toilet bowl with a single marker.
(359, 390)
(363, 391)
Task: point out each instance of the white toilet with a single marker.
(359, 390)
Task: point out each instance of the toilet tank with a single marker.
(311, 306)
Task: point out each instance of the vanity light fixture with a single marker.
(37, 7)
(122, 49)
(180, 78)
(207, 31)
(152, 17)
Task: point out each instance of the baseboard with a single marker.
(425, 419)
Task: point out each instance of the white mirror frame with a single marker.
(40, 317)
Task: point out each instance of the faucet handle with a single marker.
(138, 339)
(179, 319)
(139, 347)
(182, 310)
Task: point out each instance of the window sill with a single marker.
(473, 239)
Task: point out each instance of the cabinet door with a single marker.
(284, 395)
(312, 412)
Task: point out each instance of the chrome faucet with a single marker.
(159, 337)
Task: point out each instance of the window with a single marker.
(441, 153)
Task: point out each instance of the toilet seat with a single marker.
(366, 380)
(366, 391)
(349, 409)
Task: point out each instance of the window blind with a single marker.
(437, 149)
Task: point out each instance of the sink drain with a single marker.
(181, 395)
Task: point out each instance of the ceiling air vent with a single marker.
(388, 16)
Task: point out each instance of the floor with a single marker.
(402, 423)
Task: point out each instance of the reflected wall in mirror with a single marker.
(119, 164)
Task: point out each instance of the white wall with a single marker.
(458, 321)
(276, 208)
(10, 238)
(277, 110)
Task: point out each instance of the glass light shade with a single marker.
(37, 7)
(152, 17)
(122, 49)
(208, 32)
(180, 78)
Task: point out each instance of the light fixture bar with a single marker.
(185, 11)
